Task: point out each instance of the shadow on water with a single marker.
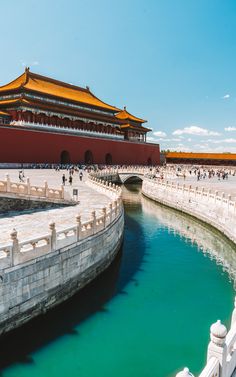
(16, 346)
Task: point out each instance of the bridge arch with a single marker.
(131, 178)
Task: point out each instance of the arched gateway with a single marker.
(65, 157)
(88, 157)
(108, 159)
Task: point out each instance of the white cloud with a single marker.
(195, 130)
(30, 64)
(152, 139)
(159, 133)
(226, 96)
(225, 141)
(230, 129)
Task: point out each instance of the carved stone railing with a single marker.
(17, 251)
(221, 353)
(68, 130)
(215, 208)
(29, 190)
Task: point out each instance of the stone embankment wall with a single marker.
(220, 212)
(8, 204)
(211, 207)
(38, 274)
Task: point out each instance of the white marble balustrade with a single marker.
(26, 189)
(19, 251)
(221, 352)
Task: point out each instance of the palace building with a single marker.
(43, 120)
(191, 158)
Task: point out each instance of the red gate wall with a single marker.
(18, 145)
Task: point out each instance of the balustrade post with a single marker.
(184, 373)
(110, 209)
(62, 192)
(46, 188)
(196, 188)
(52, 228)
(217, 347)
(115, 203)
(208, 194)
(93, 214)
(28, 185)
(104, 210)
(233, 318)
(8, 183)
(15, 246)
(78, 227)
(222, 196)
(216, 194)
(229, 198)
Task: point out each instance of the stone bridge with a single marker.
(123, 175)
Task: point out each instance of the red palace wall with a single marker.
(26, 146)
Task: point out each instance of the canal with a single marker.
(148, 315)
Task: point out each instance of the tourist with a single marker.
(81, 176)
(21, 176)
(63, 179)
(70, 179)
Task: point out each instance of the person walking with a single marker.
(70, 179)
(81, 176)
(63, 179)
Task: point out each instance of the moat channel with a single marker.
(148, 315)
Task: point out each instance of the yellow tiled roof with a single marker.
(3, 113)
(205, 156)
(138, 128)
(123, 114)
(45, 85)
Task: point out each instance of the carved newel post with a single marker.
(28, 185)
(46, 188)
(184, 373)
(8, 182)
(104, 210)
(110, 209)
(62, 192)
(78, 227)
(15, 246)
(217, 347)
(233, 319)
(93, 215)
(52, 228)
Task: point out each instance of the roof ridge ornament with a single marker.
(27, 69)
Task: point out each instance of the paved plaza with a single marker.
(34, 224)
(228, 186)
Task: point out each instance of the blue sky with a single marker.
(171, 62)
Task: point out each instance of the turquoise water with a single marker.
(148, 315)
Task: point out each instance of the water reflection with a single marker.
(208, 240)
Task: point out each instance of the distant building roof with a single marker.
(201, 156)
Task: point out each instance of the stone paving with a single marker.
(228, 186)
(34, 224)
